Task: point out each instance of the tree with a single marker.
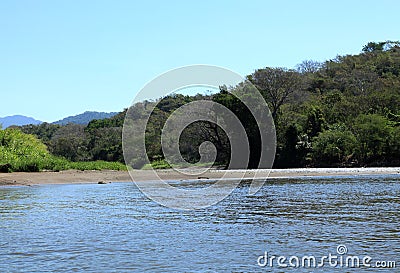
(288, 157)
(394, 147)
(106, 144)
(373, 133)
(23, 152)
(70, 142)
(233, 103)
(333, 147)
(380, 46)
(44, 131)
(309, 66)
(276, 85)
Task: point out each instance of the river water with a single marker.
(115, 228)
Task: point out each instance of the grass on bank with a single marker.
(21, 152)
(163, 164)
(97, 165)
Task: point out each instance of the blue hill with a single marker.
(85, 117)
(17, 120)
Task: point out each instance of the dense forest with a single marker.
(341, 112)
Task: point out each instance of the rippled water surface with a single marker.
(114, 228)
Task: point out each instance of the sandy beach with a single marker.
(106, 176)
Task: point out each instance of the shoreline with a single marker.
(107, 176)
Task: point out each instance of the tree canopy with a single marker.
(341, 112)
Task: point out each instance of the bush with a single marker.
(21, 152)
(333, 147)
(373, 134)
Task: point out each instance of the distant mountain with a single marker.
(85, 117)
(17, 120)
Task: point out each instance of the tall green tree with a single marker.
(334, 147)
(277, 85)
(373, 133)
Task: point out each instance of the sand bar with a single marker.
(75, 176)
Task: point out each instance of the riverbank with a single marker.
(105, 176)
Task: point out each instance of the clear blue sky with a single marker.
(60, 58)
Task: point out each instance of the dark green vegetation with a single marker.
(342, 112)
(99, 140)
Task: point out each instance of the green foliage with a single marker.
(96, 165)
(277, 85)
(99, 140)
(394, 146)
(170, 103)
(288, 154)
(373, 134)
(44, 131)
(115, 121)
(219, 138)
(163, 164)
(381, 46)
(342, 112)
(70, 142)
(25, 153)
(334, 146)
(315, 122)
(157, 164)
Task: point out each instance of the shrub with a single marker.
(25, 153)
(334, 146)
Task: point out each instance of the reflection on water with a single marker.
(114, 228)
